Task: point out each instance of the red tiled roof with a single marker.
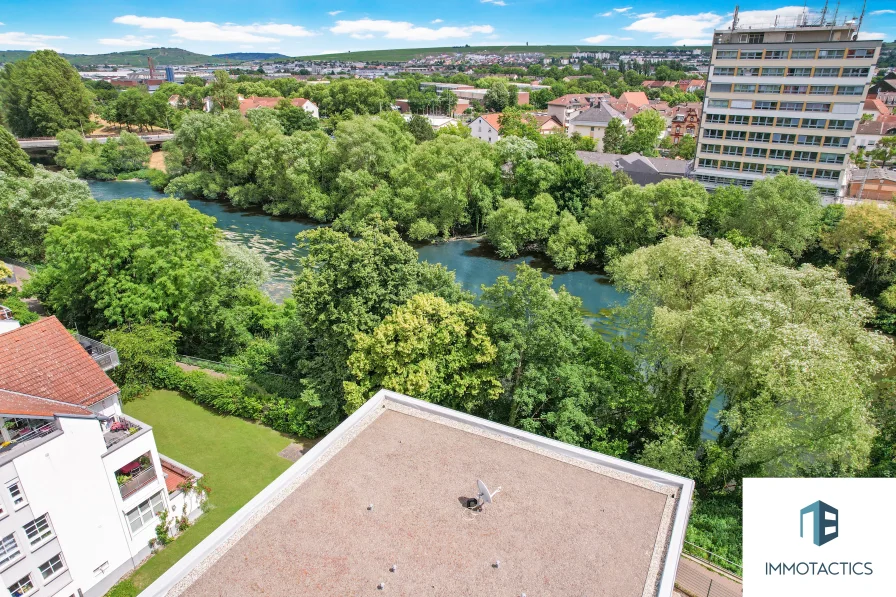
(638, 98)
(492, 119)
(250, 103)
(43, 359)
(173, 476)
(22, 405)
(878, 106)
(576, 98)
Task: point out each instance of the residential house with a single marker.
(407, 497)
(636, 98)
(642, 170)
(567, 107)
(83, 485)
(875, 108)
(692, 85)
(546, 123)
(873, 183)
(681, 120)
(436, 122)
(486, 127)
(593, 122)
(869, 133)
(254, 102)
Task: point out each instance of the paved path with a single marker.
(211, 372)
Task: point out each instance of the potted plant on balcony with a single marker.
(122, 479)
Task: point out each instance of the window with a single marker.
(770, 89)
(723, 71)
(715, 119)
(705, 163)
(744, 88)
(15, 493)
(726, 54)
(803, 55)
(736, 135)
(755, 38)
(808, 140)
(779, 154)
(756, 152)
(850, 90)
(751, 55)
(813, 123)
(804, 172)
(748, 71)
(727, 165)
(738, 119)
(773, 72)
(827, 174)
(782, 138)
(789, 123)
(860, 53)
(829, 54)
(805, 156)
(717, 103)
(22, 587)
(830, 158)
(38, 530)
(788, 37)
(765, 106)
(760, 137)
(799, 72)
(145, 512)
(795, 89)
(733, 150)
(772, 170)
(51, 566)
(840, 125)
(720, 87)
(855, 72)
(741, 104)
(822, 90)
(792, 106)
(709, 148)
(836, 142)
(712, 134)
(748, 167)
(763, 121)
(827, 72)
(817, 107)
(776, 54)
(9, 549)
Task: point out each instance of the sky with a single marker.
(309, 27)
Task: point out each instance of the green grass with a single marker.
(238, 459)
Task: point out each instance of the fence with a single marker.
(713, 559)
(697, 583)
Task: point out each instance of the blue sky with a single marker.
(312, 27)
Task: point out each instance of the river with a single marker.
(472, 261)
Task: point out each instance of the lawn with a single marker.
(238, 459)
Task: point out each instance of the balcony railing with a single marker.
(119, 429)
(137, 482)
(104, 355)
(45, 429)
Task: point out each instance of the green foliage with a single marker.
(511, 226)
(31, 206)
(428, 348)
(13, 161)
(42, 95)
(293, 118)
(671, 452)
(92, 159)
(648, 124)
(146, 352)
(570, 245)
(222, 92)
(125, 588)
(420, 128)
(358, 96)
(716, 525)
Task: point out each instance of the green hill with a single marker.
(242, 56)
(403, 55)
(161, 56)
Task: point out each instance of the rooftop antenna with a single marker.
(484, 497)
(734, 20)
(861, 17)
(824, 12)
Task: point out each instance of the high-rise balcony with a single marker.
(104, 355)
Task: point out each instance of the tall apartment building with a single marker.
(81, 485)
(784, 98)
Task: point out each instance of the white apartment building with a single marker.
(82, 485)
(784, 98)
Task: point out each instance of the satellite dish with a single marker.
(485, 496)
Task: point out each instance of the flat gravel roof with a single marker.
(559, 526)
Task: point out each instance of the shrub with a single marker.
(146, 352)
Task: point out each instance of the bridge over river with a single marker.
(52, 143)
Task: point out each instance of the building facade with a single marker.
(82, 485)
(784, 99)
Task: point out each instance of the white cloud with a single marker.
(495, 2)
(130, 41)
(647, 15)
(599, 39)
(246, 46)
(208, 31)
(333, 13)
(689, 26)
(1, 24)
(366, 28)
(609, 13)
(767, 17)
(436, 21)
(623, 9)
(886, 11)
(28, 41)
(871, 35)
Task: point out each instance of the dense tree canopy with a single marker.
(13, 161)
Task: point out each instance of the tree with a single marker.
(223, 92)
(885, 150)
(614, 137)
(42, 95)
(347, 287)
(420, 128)
(559, 377)
(649, 125)
(511, 226)
(515, 122)
(13, 161)
(358, 96)
(293, 118)
(570, 245)
(498, 97)
(787, 348)
(428, 348)
(448, 102)
(31, 206)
